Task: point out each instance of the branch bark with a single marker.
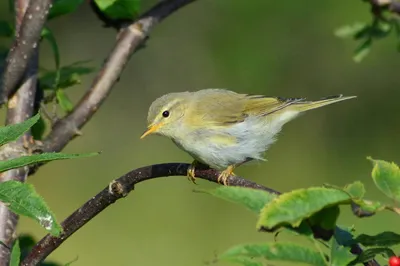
(24, 47)
(130, 39)
(120, 188)
(20, 107)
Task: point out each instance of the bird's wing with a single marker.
(217, 107)
(259, 105)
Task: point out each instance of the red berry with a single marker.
(394, 261)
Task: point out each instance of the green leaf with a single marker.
(369, 254)
(38, 129)
(119, 9)
(244, 261)
(387, 178)
(281, 251)
(22, 199)
(344, 236)
(68, 76)
(362, 50)
(64, 101)
(47, 34)
(350, 30)
(364, 33)
(340, 255)
(326, 218)
(63, 7)
(252, 199)
(6, 29)
(26, 243)
(356, 189)
(370, 206)
(37, 158)
(13, 132)
(380, 29)
(295, 206)
(15, 254)
(384, 239)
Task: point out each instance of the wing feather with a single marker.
(218, 107)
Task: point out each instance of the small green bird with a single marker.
(222, 128)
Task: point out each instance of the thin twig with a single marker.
(120, 188)
(25, 44)
(129, 40)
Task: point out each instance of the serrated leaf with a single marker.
(355, 189)
(63, 7)
(13, 132)
(369, 254)
(386, 177)
(340, 255)
(295, 206)
(119, 9)
(281, 251)
(6, 29)
(349, 30)
(362, 50)
(15, 254)
(37, 158)
(252, 199)
(384, 239)
(64, 101)
(22, 199)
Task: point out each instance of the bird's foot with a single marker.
(223, 176)
(191, 172)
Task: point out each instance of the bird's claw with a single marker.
(191, 173)
(223, 176)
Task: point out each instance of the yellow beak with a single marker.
(150, 130)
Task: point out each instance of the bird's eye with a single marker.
(165, 114)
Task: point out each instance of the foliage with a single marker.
(315, 206)
(119, 9)
(22, 198)
(383, 24)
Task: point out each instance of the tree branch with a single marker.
(129, 40)
(25, 44)
(20, 108)
(120, 188)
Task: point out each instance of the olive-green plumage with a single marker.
(224, 129)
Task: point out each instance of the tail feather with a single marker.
(302, 106)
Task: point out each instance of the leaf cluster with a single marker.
(303, 211)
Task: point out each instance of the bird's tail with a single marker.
(302, 106)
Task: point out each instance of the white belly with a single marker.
(252, 138)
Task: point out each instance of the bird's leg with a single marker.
(223, 176)
(190, 171)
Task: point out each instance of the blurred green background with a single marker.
(266, 47)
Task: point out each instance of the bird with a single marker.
(222, 128)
